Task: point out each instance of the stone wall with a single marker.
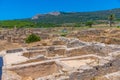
(37, 70)
(89, 74)
(35, 48)
(14, 50)
(54, 52)
(35, 53)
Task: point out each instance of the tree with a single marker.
(111, 18)
(32, 38)
(89, 23)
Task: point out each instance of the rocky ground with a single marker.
(58, 57)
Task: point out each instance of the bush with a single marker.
(89, 23)
(64, 34)
(32, 38)
(118, 26)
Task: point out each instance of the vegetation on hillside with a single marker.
(25, 24)
(76, 19)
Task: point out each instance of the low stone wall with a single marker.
(34, 48)
(56, 52)
(89, 74)
(75, 52)
(35, 53)
(14, 50)
(37, 70)
(90, 49)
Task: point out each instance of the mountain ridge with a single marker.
(72, 17)
(53, 19)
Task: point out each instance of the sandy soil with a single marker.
(4, 45)
(36, 71)
(14, 58)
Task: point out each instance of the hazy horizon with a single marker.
(27, 8)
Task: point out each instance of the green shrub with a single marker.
(118, 26)
(32, 38)
(89, 23)
(64, 34)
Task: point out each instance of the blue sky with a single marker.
(17, 9)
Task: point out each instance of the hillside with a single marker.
(73, 17)
(54, 19)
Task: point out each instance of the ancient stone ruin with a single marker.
(65, 58)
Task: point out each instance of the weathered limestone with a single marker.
(52, 51)
(10, 75)
(35, 53)
(37, 70)
(75, 60)
(100, 70)
(85, 72)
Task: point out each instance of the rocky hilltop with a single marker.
(75, 17)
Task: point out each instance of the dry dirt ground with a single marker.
(4, 45)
